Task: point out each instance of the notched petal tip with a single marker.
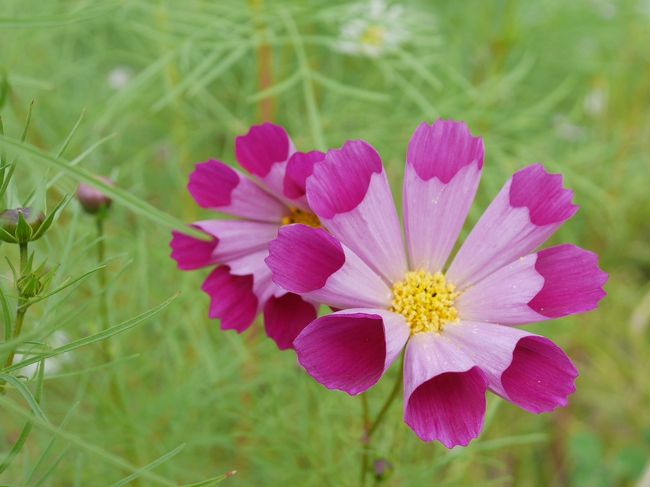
(232, 299)
(299, 168)
(341, 180)
(543, 194)
(449, 408)
(191, 253)
(285, 317)
(211, 184)
(261, 147)
(345, 352)
(302, 258)
(573, 281)
(443, 148)
(540, 377)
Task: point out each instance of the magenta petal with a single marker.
(237, 238)
(264, 152)
(503, 296)
(444, 391)
(542, 193)
(572, 281)
(541, 377)
(285, 317)
(349, 192)
(212, 183)
(299, 168)
(303, 258)
(341, 180)
(350, 350)
(216, 186)
(309, 261)
(527, 370)
(190, 252)
(442, 149)
(514, 224)
(442, 173)
(263, 146)
(231, 299)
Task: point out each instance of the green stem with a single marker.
(369, 428)
(21, 309)
(365, 439)
(101, 274)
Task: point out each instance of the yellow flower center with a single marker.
(426, 301)
(373, 36)
(299, 216)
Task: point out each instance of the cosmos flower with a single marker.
(374, 28)
(240, 286)
(456, 322)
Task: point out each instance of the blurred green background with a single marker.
(160, 85)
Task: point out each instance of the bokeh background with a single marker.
(148, 88)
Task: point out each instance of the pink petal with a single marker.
(285, 317)
(444, 391)
(264, 152)
(443, 169)
(572, 281)
(350, 350)
(237, 238)
(299, 168)
(503, 296)
(231, 299)
(190, 252)
(310, 262)
(527, 211)
(350, 194)
(527, 370)
(219, 187)
(555, 282)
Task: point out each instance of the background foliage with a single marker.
(564, 83)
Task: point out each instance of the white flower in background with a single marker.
(607, 9)
(567, 130)
(596, 102)
(52, 364)
(119, 77)
(375, 27)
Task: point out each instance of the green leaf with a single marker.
(97, 337)
(120, 195)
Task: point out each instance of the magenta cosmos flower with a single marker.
(456, 322)
(240, 286)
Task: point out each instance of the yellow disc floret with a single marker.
(300, 216)
(373, 36)
(426, 301)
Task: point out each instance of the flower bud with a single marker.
(30, 285)
(92, 199)
(382, 469)
(20, 225)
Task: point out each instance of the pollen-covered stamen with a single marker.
(299, 216)
(426, 301)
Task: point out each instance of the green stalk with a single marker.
(370, 428)
(21, 309)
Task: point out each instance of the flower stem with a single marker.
(369, 428)
(101, 275)
(21, 309)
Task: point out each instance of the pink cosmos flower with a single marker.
(240, 287)
(454, 321)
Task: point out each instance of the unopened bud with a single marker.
(30, 286)
(20, 225)
(92, 199)
(382, 469)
